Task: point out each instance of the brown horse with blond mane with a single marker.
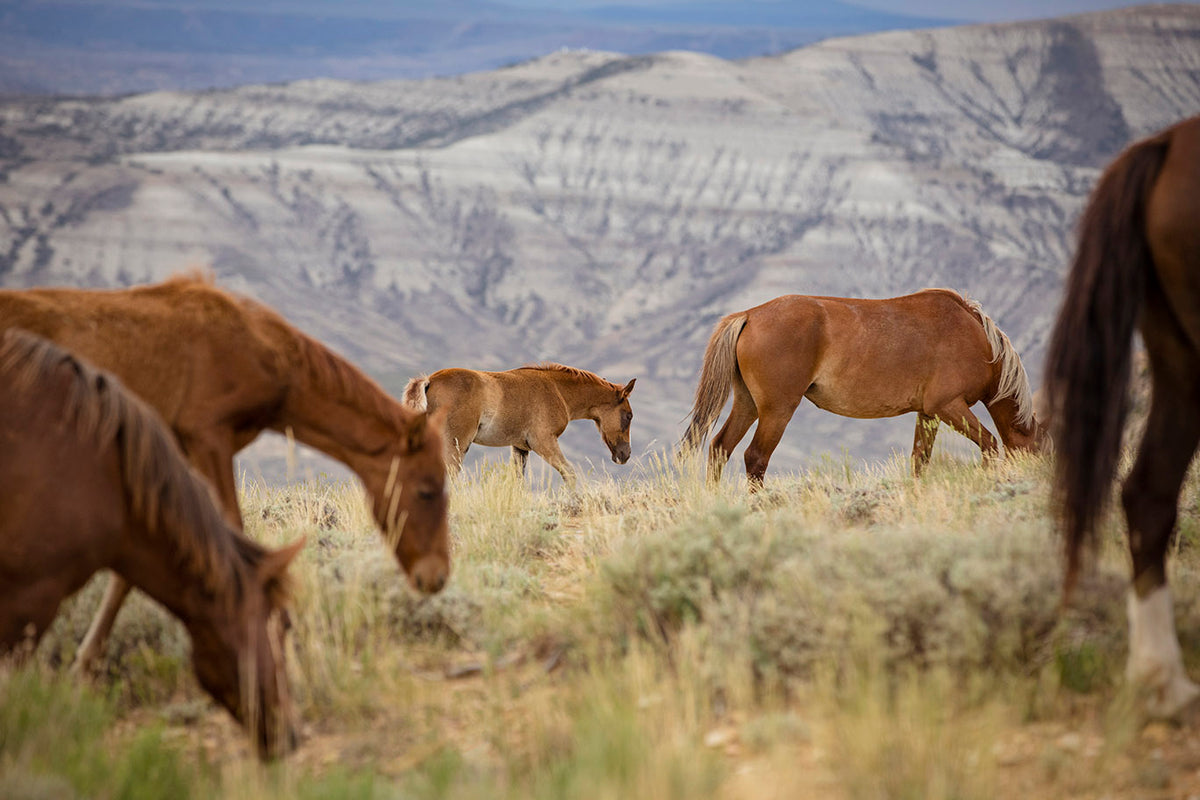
(933, 352)
(220, 369)
(93, 479)
(526, 409)
(1137, 265)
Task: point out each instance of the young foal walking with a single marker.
(932, 352)
(1138, 262)
(526, 408)
(220, 369)
(92, 479)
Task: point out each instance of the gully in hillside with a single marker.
(131, 504)
(526, 408)
(220, 369)
(932, 352)
(1137, 263)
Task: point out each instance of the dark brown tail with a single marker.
(716, 380)
(1088, 363)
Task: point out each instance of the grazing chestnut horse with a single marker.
(93, 479)
(932, 352)
(220, 369)
(1138, 262)
(526, 408)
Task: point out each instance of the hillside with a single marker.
(605, 210)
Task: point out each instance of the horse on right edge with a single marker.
(1137, 263)
(933, 352)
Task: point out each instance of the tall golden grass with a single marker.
(846, 632)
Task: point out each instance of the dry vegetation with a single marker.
(844, 634)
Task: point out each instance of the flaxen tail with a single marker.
(1088, 363)
(414, 393)
(716, 380)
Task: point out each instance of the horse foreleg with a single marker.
(94, 640)
(771, 425)
(1150, 497)
(959, 416)
(741, 417)
(547, 448)
(926, 432)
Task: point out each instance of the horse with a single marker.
(220, 369)
(526, 409)
(93, 479)
(1137, 263)
(933, 352)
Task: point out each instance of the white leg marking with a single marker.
(1155, 661)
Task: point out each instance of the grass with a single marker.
(842, 633)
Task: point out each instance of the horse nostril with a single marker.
(420, 582)
(438, 583)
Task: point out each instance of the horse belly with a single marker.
(493, 432)
(862, 399)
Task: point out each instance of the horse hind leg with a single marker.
(1150, 497)
(520, 458)
(772, 422)
(923, 437)
(741, 417)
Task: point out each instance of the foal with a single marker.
(93, 479)
(526, 408)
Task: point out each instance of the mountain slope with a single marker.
(605, 210)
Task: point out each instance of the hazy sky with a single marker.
(982, 11)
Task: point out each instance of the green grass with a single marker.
(847, 633)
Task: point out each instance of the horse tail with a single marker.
(716, 379)
(1088, 362)
(415, 393)
(1013, 383)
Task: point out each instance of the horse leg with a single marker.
(520, 457)
(97, 635)
(772, 422)
(547, 448)
(926, 432)
(1150, 498)
(741, 417)
(958, 415)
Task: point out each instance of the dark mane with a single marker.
(583, 374)
(163, 491)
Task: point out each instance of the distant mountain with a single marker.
(119, 46)
(605, 210)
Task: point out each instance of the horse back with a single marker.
(174, 344)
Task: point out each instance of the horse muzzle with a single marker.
(620, 453)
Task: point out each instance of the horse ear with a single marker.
(414, 434)
(275, 562)
(621, 395)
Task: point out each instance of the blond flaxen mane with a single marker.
(164, 492)
(1014, 383)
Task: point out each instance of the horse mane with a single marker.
(1014, 383)
(164, 493)
(551, 366)
(332, 375)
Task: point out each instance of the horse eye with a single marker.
(427, 493)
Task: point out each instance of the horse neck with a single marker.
(1014, 435)
(580, 393)
(333, 407)
(199, 593)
